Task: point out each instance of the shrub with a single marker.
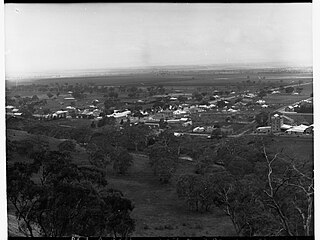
(67, 145)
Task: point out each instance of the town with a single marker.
(206, 112)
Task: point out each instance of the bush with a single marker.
(67, 145)
(169, 227)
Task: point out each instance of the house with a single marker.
(165, 114)
(266, 129)
(261, 102)
(9, 108)
(61, 114)
(179, 113)
(120, 116)
(297, 130)
(186, 124)
(198, 129)
(69, 98)
(289, 109)
(285, 127)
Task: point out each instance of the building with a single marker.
(61, 114)
(289, 109)
(276, 123)
(266, 129)
(120, 116)
(297, 130)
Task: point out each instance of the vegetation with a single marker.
(163, 156)
(262, 193)
(65, 199)
(67, 146)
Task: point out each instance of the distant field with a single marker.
(289, 98)
(184, 78)
(300, 148)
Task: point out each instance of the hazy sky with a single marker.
(53, 37)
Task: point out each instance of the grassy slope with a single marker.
(158, 211)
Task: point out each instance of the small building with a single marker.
(69, 99)
(289, 109)
(261, 102)
(186, 124)
(198, 129)
(297, 130)
(285, 127)
(120, 116)
(266, 129)
(61, 114)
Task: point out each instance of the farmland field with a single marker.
(289, 98)
(189, 77)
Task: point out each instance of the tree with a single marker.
(50, 95)
(35, 98)
(99, 158)
(205, 161)
(163, 160)
(289, 89)
(22, 192)
(65, 198)
(136, 134)
(106, 121)
(197, 190)
(122, 160)
(262, 93)
(46, 111)
(271, 193)
(119, 220)
(189, 188)
(299, 89)
(182, 99)
(113, 95)
(26, 112)
(290, 193)
(198, 96)
(110, 104)
(262, 118)
(77, 94)
(221, 104)
(67, 145)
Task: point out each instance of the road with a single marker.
(294, 85)
(227, 98)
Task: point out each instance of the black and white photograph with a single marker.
(159, 120)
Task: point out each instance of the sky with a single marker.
(61, 37)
